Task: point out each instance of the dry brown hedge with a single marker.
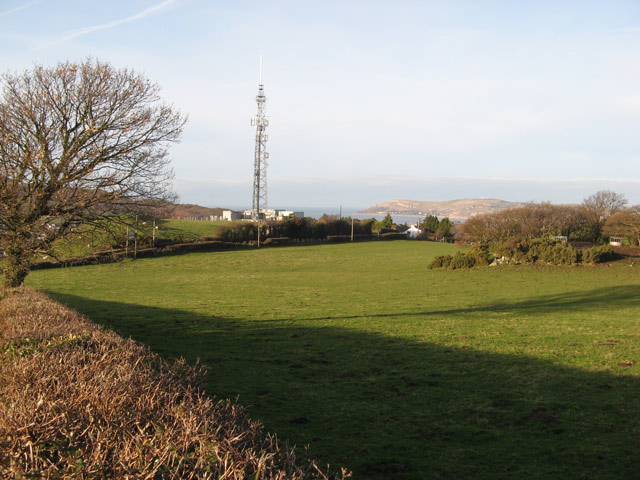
(78, 401)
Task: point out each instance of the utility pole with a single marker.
(259, 224)
(135, 240)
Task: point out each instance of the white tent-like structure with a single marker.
(413, 231)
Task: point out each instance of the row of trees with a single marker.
(441, 228)
(430, 225)
(327, 226)
(385, 223)
(295, 229)
(601, 215)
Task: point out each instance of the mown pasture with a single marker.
(391, 369)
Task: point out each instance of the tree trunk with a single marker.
(17, 266)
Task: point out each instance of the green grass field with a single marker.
(391, 369)
(84, 241)
(189, 230)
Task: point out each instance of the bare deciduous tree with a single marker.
(605, 203)
(78, 142)
(625, 223)
(522, 223)
(600, 206)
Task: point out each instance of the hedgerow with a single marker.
(80, 402)
(237, 232)
(298, 229)
(392, 236)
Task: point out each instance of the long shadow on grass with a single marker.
(612, 297)
(391, 408)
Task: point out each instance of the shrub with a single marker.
(598, 254)
(462, 260)
(393, 236)
(81, 402)
(538, 250)
(481, 254)
(473, 258)
(237, 232)
(441, 261)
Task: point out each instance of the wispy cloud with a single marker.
(106, 26)
(17, 9)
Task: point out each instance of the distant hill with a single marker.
(459, 209)
(194, 212)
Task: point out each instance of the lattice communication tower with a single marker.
(261, 122)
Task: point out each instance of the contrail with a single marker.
(17, 9)
(105, 26)
(86, 30)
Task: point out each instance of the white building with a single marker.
(272, 214)
(230, 215)
(284, 214)
(413, 231)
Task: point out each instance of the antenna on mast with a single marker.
(259, 201)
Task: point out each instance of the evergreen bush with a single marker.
(598, 254)
(475, 257)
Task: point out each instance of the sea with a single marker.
(317, 212)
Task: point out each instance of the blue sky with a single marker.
(371, 101)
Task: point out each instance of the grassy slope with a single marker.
(80, 244)
(392, 369)
(186, 229)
